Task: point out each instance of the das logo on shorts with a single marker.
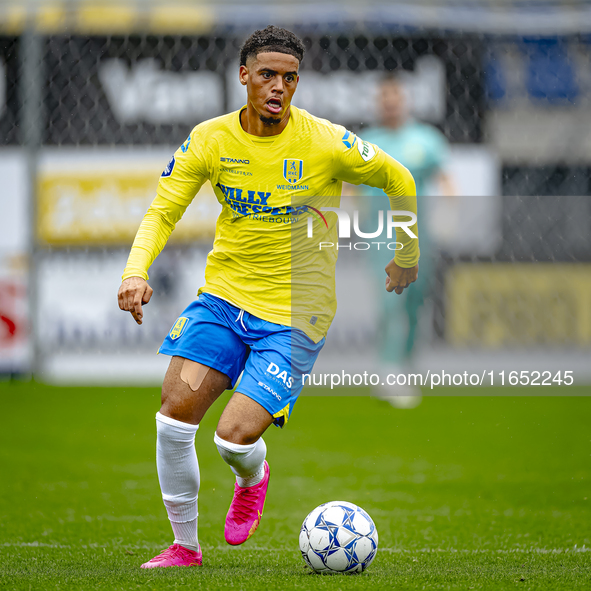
(178, 328)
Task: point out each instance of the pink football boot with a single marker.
(246, 510)
(176, 555)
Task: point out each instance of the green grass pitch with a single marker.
(467, 492)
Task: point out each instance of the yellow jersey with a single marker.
(271, 255)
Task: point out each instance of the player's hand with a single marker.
(399, 278)
(134, 292)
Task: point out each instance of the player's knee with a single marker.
(178, 414)
(176, 408)
(235, 433)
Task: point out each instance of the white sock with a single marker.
(246, 461)
(178, 473)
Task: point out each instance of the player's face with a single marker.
(270, 80)
(392, 103)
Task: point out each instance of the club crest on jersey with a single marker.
(168, 170)
(293, 170)
(179, 327)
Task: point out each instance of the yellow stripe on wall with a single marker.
(100, 19)
(51, 18)
(103, 18)
(179, 19)
(12, 19)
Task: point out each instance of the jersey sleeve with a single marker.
(354, 160)
(181, 180)
(187, 170)
(360, 162)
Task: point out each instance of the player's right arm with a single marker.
(181, 180)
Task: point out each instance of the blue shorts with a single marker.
(273, 357)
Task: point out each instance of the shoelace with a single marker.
(171, 551)
(245, 501)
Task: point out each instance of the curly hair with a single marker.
(269, 39)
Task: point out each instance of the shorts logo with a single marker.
(274, 370)
(270, 390)
(169, 167)
(179, 327)
(293, 170)
(349, 139)
(366, 150)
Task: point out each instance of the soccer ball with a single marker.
(338, 537)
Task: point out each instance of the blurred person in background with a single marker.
(423, 149)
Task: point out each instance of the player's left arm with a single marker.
(365, 163)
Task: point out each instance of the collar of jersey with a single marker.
(247, 138)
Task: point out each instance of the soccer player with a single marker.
(259, 160)
(423, 149)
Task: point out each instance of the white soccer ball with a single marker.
(338, 537)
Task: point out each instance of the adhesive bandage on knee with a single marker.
(178, 473)
(246, 461)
